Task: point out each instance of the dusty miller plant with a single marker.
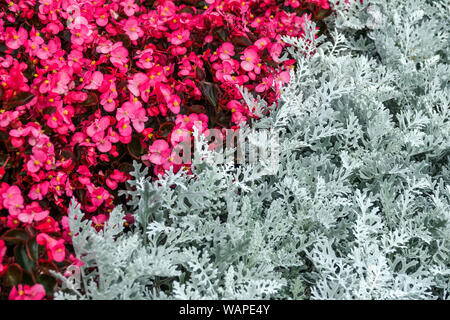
(360, 205)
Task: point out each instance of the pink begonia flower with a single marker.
(80, 34)
(145, 59)
(132, 29)
(104, 46)
(32, 212)
(75, 261)
(47, 51)
(25, 292)
(15, 39)
(159, 152)
(12, 198)
(103, 143)
(124, 127)
(6, 62)
(138, 119)
(55, 248)
(3, 189)
(284, 77)
(2, 254)
(188, 121)
(38, 191)
(178, 51)
(61, 80)
(48, 225)
(7, 117)
(224, 72)
(185, 68)
(98, 196)
(101, 15)
(174, 104)
(250, 59)
(265, 84)
(19, 132)
(322, 3)
(112, 184)
(108, 101)
(262, 43)
(129, 7)
(116, 177)
(99, 220)
(33, 48)
(293, 3)
(113, 135)
(98, 126)
(127, 109)
(179, 135)
(275, 51)
(53, 121)
(94, 79)
(139, 85)
(238, 111)
(119, 55)
(167, 10)
(237, 117)
(226, 51)
(37, 160)
(179, 36)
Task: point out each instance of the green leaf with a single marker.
(210, 91)
(14, 274)
(241, 41)
(15, 235)
(20, 99)
(222, 33)
(166, 128)
(21, 255)
(32, 249)
(91, 100)
(48, 282)
(135, 148)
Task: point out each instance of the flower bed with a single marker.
(88, 86)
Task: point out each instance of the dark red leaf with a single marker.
(14, 274)
(15, 235)
(20, 99)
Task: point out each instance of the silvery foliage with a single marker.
(359, 208)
